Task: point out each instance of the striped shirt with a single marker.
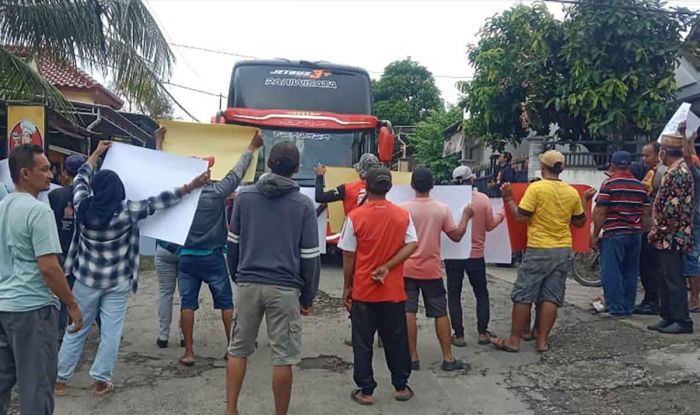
(625, 197)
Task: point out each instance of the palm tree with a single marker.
(118, 38)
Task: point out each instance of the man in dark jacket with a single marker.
(61, 202)
(274, 258)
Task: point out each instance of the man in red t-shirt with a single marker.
(352, 194)
(423, 271)
(376, 239)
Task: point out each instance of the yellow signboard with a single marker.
(25, 125)
(226, 143)
(335, 176)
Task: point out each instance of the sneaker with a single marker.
(415, 364)
(162, 344)
(452, 366)
(660, 325)
(60, 389)
(676, 328)
(458, 341)
(100, 388)
(599, 307)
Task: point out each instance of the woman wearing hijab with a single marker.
(103, 258)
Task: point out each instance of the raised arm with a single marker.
(141, 209)
(228, 184)
(330, 196)
(81, 183)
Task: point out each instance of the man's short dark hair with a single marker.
(379, 181)
(284, 158)
(507, 156)
(556, 169)
(22, 157)
(422, 180)
(655, 145)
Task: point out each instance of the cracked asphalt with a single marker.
(597, 365)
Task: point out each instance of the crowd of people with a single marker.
(79, 255)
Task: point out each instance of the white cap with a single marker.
(462, 173)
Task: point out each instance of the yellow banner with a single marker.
(25, 125)
(225, 142)
(335, 176)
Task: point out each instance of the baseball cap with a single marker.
(422, 179)
(379, 180)
(551, 157)
(621, 159)
(462, 173)
(367, 161)
(73, 163)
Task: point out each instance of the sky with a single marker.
(363, 33)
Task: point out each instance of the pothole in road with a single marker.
(325, 362)
(325, 304)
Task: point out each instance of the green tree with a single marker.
(118, 38)
(427, 144)
(406, 93)
(606, 69)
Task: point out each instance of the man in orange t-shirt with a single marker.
(376, 240)
(422, 270)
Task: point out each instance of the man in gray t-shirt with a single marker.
(30, 280)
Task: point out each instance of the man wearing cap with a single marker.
(549, 207)
(671, 235)
(274, 258)
(201, 258)
(620, 208)
(352, 194)
(483, 220)
(61, 202)
(376, 240)
(423, 271)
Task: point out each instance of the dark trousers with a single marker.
(649, 273)
(476, 271)
(673, 296)
(619, 260)
(390, 320)
(63, 312)
(28, 359)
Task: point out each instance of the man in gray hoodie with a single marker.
(201, 258)
(274, 258)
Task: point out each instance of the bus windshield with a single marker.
(300, 88)
(338, 149)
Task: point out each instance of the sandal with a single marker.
(354, 395)
(500, 344)
(186, 363)
(487, 340)
(545, 350)
(407, 397)
(695, 309)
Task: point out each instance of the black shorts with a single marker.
(434, 296)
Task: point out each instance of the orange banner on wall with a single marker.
(518, 230)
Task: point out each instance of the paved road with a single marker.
(596, 366)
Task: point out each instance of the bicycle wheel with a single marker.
(586, 269)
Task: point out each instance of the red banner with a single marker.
(518, 230)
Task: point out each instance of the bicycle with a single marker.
(586, 269)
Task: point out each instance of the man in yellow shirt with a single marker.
(549, 207)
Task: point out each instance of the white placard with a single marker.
(683, 113)
(310, 192)
(497, 246)
(456, 198)
(147, 173)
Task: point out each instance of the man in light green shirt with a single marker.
(30, 280)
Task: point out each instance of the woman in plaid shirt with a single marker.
(103, 257)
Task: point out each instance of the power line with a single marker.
(222, 52)
(201, 91)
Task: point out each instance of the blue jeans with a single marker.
(619, 267)
(210, 269)
(111, 305)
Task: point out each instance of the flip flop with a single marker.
(545, 350)
(500, 344)
(486, 341)
(186, 363)
(695, 309)
(354, 396)
(528, 337)
(405, 398)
